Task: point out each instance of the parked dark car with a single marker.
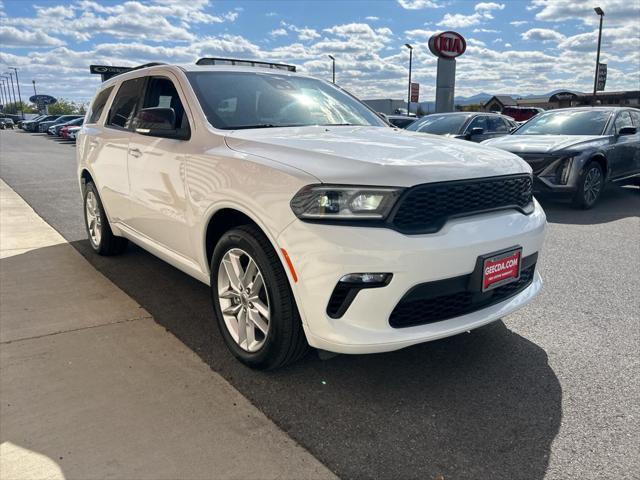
(56, 130)
(522, 114)
(6, 123)
(44, 126)
(400, 121)
(32, 126)
(25, 123)
(473, 126)
(575, 151)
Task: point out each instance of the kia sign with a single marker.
(447, 45)
(415, 92)
(42, 99)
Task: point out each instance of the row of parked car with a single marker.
(64, 126)
(573, 152)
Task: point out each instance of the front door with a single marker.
(624, 148)
(157, 175)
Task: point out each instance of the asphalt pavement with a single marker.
(551, 391)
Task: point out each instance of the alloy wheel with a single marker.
(592, 185)
(94, 219)
(244, 301)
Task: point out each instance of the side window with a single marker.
(162, 93)
(98, 105)
(623, 120)
(478, 122)
(635, 116)
(125, 103)
(497, 124)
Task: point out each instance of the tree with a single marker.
(17, 107)
(62, 107)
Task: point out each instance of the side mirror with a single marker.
(476, 131)
(513, 129)
(158, 122)
(627, 131)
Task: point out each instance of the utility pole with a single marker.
(333, 60)
(600, 13)
(19, 94)
(409, 88)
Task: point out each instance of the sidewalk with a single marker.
(91, 387)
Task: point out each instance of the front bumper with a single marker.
(322, 254)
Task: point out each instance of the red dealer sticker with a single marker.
(501, 269)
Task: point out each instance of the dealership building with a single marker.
(564, 99)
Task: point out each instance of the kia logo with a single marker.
(447, 44)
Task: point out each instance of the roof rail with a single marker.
(244, 63)
(145, 65)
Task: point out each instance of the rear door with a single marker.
(157, 173)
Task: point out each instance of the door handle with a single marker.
(134, 152)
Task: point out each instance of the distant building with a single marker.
(498, 102)
(565, 99)
(387, 105)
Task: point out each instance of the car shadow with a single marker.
(616, 203)
(479, 405)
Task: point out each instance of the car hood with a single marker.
(542, 143)
(374, 155)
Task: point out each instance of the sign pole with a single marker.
(600, 13)
(445, 84)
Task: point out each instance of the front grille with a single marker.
(426, 208)
(538, 162)
(422, 309)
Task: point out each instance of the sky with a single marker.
(517, 47)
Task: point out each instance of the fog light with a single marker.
(368, 279)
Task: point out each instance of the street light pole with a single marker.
(34, 87)
(15, 102)
(6, 77)
(2, 95)
(333, 60)
(409, 87)
(600, 13)
(19, 94)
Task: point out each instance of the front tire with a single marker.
(253, 303)
(101, 238)
(590, 186)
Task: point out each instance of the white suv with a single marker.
(313, 221)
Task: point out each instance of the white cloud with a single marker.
(518, 23)
(478, 43)
(542, 35)
(278, 32)
(485, 30)
(508, 45)
(617, 12)
(482, 12)
(372, 19)
(488, 6)
(418, 4)
(11, 37)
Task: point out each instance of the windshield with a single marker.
(439, 124)
(568, 122)
(234, 100)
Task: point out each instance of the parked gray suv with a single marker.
(574, 152)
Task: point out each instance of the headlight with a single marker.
(339, 202)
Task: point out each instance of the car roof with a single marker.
(596, 107)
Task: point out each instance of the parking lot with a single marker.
(549, 392)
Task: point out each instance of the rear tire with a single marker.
(262, 328)
(101, 238)
(590, 186)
